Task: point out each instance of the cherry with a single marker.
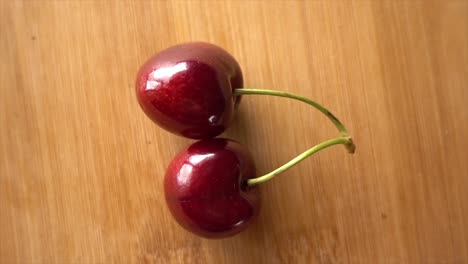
(192, 90)
(188, 89)
(210, 187)
(206, 188)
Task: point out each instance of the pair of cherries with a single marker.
(193, 90)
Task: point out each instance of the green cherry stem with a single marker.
(344, 139)
(316, 105)
(316, 148)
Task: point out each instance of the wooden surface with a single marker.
(81, 166)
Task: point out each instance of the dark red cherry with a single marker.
(206, 191)
(188, 89)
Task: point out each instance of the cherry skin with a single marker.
(205, 188)
(188, 89)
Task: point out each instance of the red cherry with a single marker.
(192, 90)
(188, 89)
(206, 191)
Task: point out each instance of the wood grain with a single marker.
(81, 166)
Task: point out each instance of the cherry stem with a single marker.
(345, 139)
(316, 148)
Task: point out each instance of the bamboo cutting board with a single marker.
(81, 166)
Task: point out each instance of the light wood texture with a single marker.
(81, 166)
